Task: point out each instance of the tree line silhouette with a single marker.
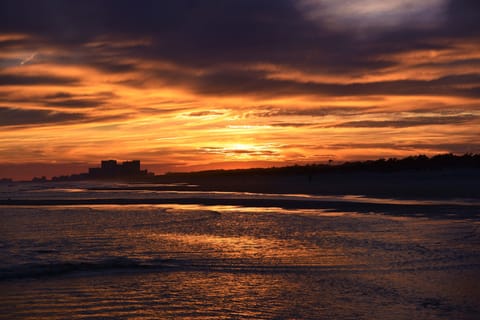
(415, 163)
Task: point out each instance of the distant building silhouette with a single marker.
(112, 169)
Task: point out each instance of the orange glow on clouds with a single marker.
(74, 105)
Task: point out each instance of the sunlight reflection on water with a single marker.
(214, 262)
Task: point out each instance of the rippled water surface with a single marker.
(215, 262)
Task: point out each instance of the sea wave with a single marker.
(124, 264)
(119, 264)
(34, 270)
(40, 270)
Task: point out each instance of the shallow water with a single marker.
(214, 262)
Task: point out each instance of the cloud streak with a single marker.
(410, 122)
(35, 80)
(13, 117)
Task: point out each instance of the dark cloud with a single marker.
(459, 148)
(292, 124)
(13, 80)
(60, 99)
(75, 103)
(59, 95)
(68, 100)
(247, 152)
(463, 147)
(256, 82)
(9, 62)
(114, 67)
(211, 35)
(201, 32)
(463, 17)
(14, 117)
(205, 113)
(410, 121)
(364, 145)
(266, 112)
(472, 63)
(252, 152)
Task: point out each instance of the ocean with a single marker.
(238, 256)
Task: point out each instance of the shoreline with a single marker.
(433, 185)
(427, 210)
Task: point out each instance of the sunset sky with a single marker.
(200, 84)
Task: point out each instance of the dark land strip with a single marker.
(427, 210)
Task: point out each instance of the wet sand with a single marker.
(432, 194)
(467, 211)
(442, 184)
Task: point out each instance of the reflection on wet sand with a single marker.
(151, 192)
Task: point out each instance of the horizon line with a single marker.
(327, 163)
